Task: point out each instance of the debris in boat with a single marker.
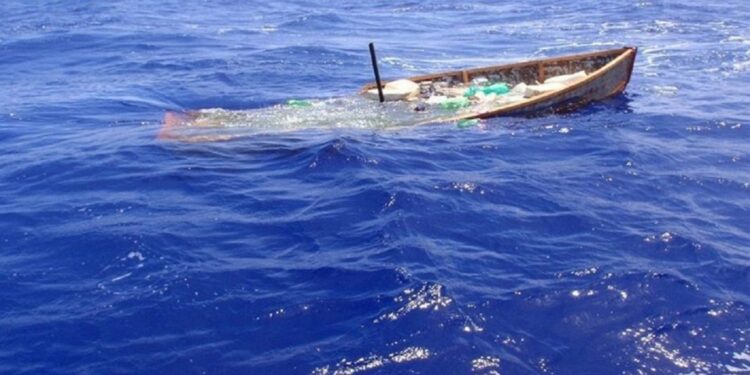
(402, 89)
(480, 81)
(534, 90)
(519, 89)
(455, 103)
(298, 103)
(554, 83)
(567, 79)
(483, 92)
(498, 88)
(426, 89)
(436, 99)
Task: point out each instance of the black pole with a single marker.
(377, 73)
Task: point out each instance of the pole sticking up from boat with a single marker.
(377, 73)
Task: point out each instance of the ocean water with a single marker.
(614, 240)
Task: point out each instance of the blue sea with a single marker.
(613, 240)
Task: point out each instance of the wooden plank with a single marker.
(540, 76)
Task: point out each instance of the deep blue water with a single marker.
(612, 240)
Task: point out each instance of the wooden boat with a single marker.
(608, 73)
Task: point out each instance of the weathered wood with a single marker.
(608, 72)
(541, 72)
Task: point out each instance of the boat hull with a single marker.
(608, 71)
(608, 82)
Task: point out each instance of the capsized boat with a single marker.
(538, 86)
(593, 76)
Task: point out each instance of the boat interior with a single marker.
(531, 72)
